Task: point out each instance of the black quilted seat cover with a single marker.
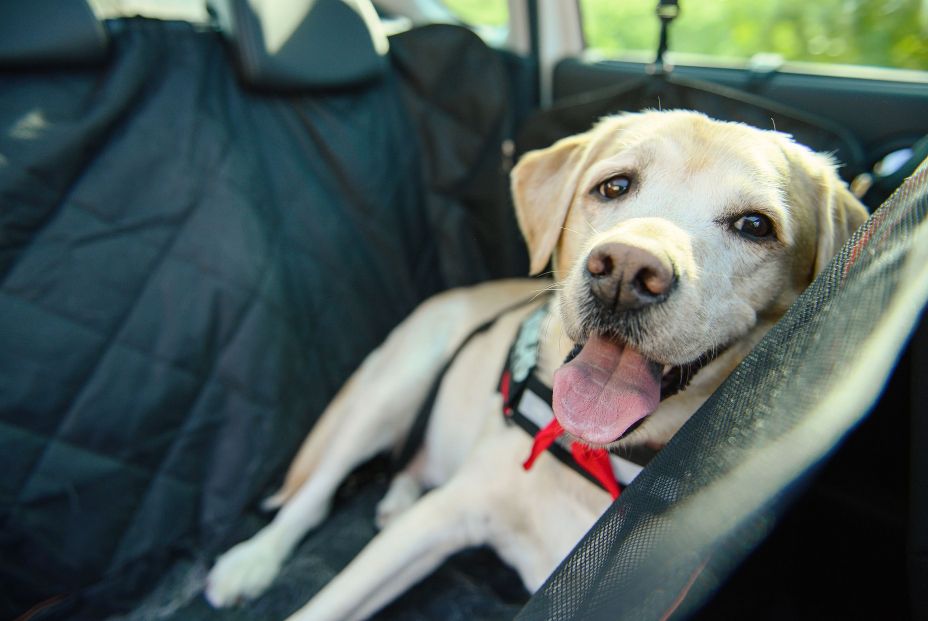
(189, 270)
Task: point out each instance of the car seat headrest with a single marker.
(303, 44)
(50, 32)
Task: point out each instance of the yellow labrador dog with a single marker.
(676, 242)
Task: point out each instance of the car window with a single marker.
(488, 18)
(481, 13)
(883, 33)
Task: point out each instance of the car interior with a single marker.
(210, 212)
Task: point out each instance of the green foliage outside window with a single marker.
(887, 33)
(480, 12)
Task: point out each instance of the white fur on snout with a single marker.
(689, 322)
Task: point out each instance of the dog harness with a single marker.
(527, 403)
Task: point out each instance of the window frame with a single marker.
(750, 64)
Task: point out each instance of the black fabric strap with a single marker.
(558, 450)
(416, 433)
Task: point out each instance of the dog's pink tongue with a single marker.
(605, 390)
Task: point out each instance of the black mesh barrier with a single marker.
(718, 488)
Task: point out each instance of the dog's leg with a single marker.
(358, 425)
(392, 383)
(371, 413)
(443, 522)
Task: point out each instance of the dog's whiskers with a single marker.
(545, 326)
(552, 287)
(555, 286)
(590, 224)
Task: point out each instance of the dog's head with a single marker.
(672, 236)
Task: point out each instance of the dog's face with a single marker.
(672, 237)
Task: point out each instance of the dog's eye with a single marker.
(614, 187)
(754, 226)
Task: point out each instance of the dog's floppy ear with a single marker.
(840, 215)
(837, 213)
(543, 186)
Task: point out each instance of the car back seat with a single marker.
(201, 239)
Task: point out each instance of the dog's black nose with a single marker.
(624, 277)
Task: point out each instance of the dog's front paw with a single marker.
(244, 572)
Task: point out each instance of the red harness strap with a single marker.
(594, 460)
(543, 439)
